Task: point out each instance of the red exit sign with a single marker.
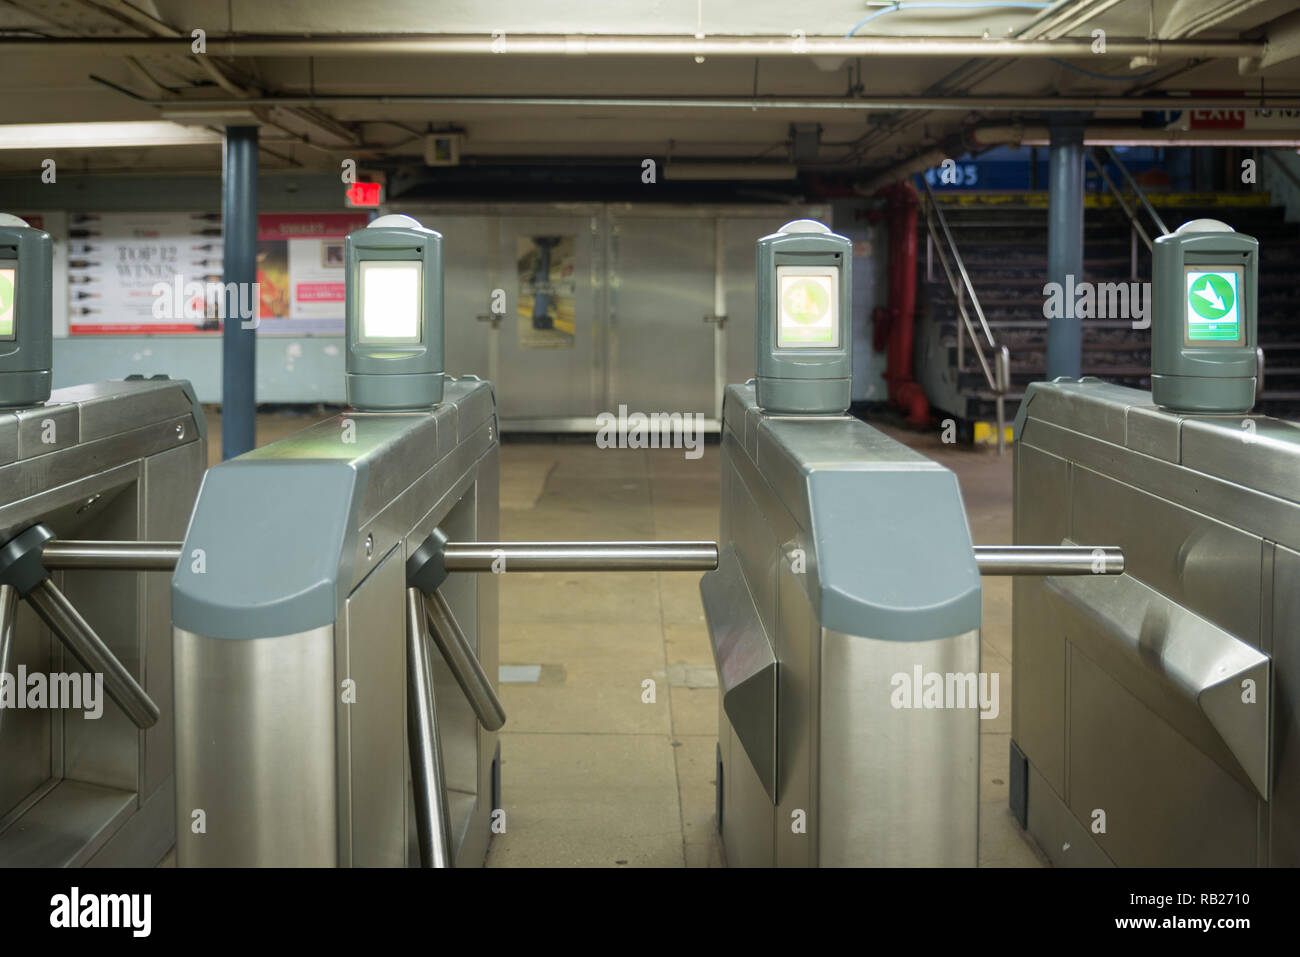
(1217, 119)
(365, 195)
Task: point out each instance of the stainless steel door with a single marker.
(643, 278)
(661, 288)
(561, 382)
(471, 272)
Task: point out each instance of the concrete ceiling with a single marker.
(347, 103)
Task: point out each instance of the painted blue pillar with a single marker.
(239, 344)
(1065, 239)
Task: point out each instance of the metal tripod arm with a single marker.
(24, 572)
(78, 637)
(463, 662)
(432, 818)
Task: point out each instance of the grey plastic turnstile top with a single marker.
(312, 494)
(892, 550)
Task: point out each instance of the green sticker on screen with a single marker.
(1205, 319)
(803, 274)
(1212, 312)
(808, 316)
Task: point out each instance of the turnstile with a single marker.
(1155, 718)
(294, 621)
(316, 725)
(110, 461)
(845, 562)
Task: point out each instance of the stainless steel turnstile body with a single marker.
(1155, 718)
(289, 603)
(119, 461)
(845, 562)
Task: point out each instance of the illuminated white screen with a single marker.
(808, 307)
(8, 299)
(391, 301)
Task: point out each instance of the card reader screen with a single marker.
(1213, 306)
(8, 289)
(807, 307)
(391, 301)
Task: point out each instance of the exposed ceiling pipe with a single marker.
(916, 164)
(1035, 25)
(1189, 17)
(124, 12)
(1074, 18)
(593, 45)
(161, 32)
(156, 89)
(1046, 25)
(220, 74)
(1277, 101)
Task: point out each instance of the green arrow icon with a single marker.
(1211, 296)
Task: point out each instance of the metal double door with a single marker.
(572, 310)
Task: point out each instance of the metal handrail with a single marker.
(1138, 191)
(1119, 198)
(1131, 213)
(998, 375)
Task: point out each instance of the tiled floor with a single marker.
(608, 758)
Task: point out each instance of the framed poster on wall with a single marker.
(118, 262)
(300, 270)
(162, 273)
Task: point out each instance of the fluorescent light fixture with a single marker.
(729, 171)
(55, 136)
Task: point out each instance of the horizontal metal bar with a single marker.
(592, 557)
(445, 44)
(1049, 560)
(112, 556)
(580, 556)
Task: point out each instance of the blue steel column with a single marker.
(1065, 240)
(239, 235)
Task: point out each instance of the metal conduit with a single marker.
(965, 104)
(255, 45)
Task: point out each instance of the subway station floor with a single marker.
(591, 774)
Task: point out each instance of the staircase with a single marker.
(1003, 240)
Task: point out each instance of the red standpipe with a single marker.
(893, 326)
